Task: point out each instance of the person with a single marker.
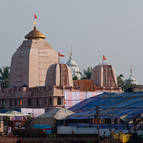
(9, 130)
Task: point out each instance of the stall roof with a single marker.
(13, 114)
(57, 113)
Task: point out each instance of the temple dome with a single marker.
(104, 76)
(59, 75)
(131, 79)
(35, 34)
(74, 68)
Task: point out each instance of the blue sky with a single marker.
(93, 27)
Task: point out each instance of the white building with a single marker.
(74, 68)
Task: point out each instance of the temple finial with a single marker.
(71, 52)
(35, 34)
(35, 18)
(131, 71)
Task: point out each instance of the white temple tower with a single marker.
(74, 68)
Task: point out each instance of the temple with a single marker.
(37, 80)
(74, 68)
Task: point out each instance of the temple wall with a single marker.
(19, 70)
(41, 57)
(44, 97)
(38, 97)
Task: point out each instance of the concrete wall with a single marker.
(81, 130)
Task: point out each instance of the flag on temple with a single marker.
(35, 16)
(60, 55)
(104, 58)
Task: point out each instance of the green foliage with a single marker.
(4, 77)
(75, 78)
(7, 121)
(52, 135)
(120, 80)
(126, 85)
(28, 122)
(87, 73)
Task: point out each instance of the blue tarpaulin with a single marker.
(46, 128)
(111, 105)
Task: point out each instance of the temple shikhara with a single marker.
(31, 61)
(38, 80)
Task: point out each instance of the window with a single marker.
(15, 102)
(10, 102)
(45, 101)
(37, 101)
(29, 102)
(3, 102)
(59, 101)
(50, 101)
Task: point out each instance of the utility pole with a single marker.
(97, 118)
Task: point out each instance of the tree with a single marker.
(87, 73)
(75, 77)
(4, 77)
(126, 85)
(28, 122)
(120, 80)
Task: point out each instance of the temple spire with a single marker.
(131, 71)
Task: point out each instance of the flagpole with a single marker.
(58, 58)
(35, 18)
(59, 55)
(102, 60)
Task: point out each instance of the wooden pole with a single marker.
(97, 117)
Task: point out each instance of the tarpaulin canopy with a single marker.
(13, 114)
(50, 117)
(57, 113)
(111, 105)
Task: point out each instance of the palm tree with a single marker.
(4, 77)
(87, 73)
(120, 80)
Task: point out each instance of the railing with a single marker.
(48, 140)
